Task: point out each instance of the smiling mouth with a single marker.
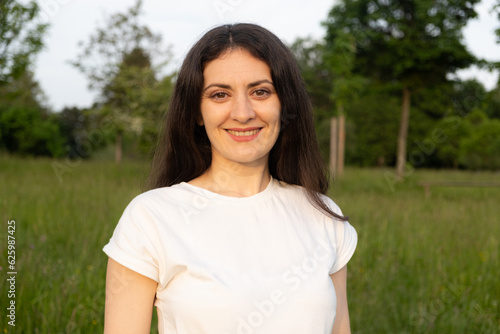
(243, 133)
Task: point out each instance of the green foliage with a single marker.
(123, 61)
(309, 55)
(24, 91)
(27, 131)
(492, 108)
(115, 45)
(330, 83)
(409, 44)
(135, 95)
(20, 38)
(470, 142)
(339, 58)
(26, 127)
(496, 8)
(72, 124)
(469, 95)
(136, 102)
(415, 42)
(443, 141)
(156, 100)
(372, 129)
(481, 149)
(440, 142)
(84, 131)
(424, 136)
(437, 117)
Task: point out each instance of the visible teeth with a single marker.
(243, 133)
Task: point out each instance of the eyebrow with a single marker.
(250, 85)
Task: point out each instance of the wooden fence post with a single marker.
(341, 145)
(333, 145)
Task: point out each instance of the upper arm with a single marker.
(129, 300)
(341, 325)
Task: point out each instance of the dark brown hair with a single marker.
(184, 150)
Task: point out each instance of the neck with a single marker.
(234, 180)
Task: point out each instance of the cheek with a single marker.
(214, 113)
(208, 117)
(277, 116)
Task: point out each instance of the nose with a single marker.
(242, 109)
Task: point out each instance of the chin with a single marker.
(251, 159)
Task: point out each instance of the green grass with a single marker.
(62, 225)
(423, 264)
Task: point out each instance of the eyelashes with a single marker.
(259, 94)
(218, 95)
(262, 92)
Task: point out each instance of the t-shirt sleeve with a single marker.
(345, 240)
(133, 241)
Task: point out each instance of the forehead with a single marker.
(236, 64)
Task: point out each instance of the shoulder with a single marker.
(161, 199)
(299, 193)
(289, 189)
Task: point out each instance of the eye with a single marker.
(261, 93)
(219, 95)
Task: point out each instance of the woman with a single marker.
(236, 235)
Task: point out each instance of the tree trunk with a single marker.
(119, 147)
(341, 143)
(333, 145)
(403, 133)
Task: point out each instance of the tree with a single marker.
(496, 8)
(20, 38)
(26, 126)
(118, 61)
(24, 130)
(493, 108)
(481, 149)
(339, 57)
(136, 100)
(23, 91)
(373, 129)
(408, 43)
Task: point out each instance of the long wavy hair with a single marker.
(184, 150)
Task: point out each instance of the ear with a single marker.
(200, 121)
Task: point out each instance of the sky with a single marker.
(182, 23)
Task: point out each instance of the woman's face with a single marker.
(240, 108)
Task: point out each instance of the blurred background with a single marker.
(68, 66)
(406, 97)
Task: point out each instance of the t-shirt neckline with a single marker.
(210, 194)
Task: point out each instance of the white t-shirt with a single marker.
(227, 265)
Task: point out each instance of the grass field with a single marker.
(423, 264)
